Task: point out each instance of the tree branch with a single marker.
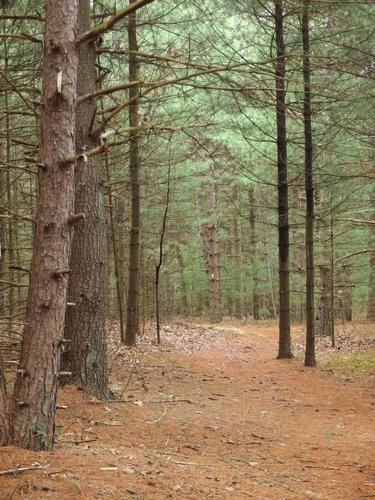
(21, 18)
(106, 91)
(21, 36)
(112, 20)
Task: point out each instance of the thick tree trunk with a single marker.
(134, 250)
(309, 189)
(85, 320)
(37, 379)
(285, 347)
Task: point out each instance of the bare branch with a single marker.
(112, 20)
(108, 90)
(21, 36)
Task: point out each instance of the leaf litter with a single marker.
(210, 415)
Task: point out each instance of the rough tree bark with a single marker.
(209, 233)
(210, 237)
(309, 189)
(285, 347)
(85, 320)
(36, 385)
(134, 250)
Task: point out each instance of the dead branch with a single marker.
(19, 470)
(112, 20)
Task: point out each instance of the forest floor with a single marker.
(211, 414)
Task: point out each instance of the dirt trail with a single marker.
(228, 422)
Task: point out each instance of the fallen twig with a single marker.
(189, 463)
(307, 466)
(79, 441)
(158, 419)
(170, 401)
(129, 401)
(18, 470)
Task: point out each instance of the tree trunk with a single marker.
(332, 281)
(37, 379)
(184, 307)
(2, 239)
(134, 250)
(344, 287)
(85, 320)
(285, 347)
(323, 310)
(253, 256)
(323, 306)
(161, 255)
(326, 313)
(9, 199)
(4, 417)
(235, 292)
(271, 300)
(210, 237)
(116, 255)
(371, 261)
(309, 189)
(297, 255)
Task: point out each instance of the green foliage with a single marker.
(207, 73)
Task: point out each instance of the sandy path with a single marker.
(249, 426)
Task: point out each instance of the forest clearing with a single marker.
(211, 414)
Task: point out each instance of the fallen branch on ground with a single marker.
(18, 470)
(161, 401)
